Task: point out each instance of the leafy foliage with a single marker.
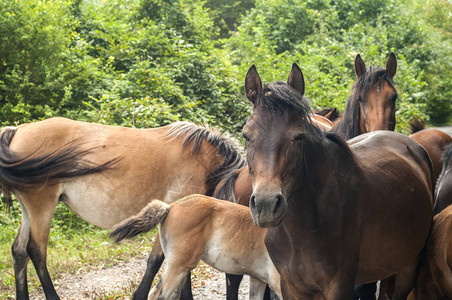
(151, 62)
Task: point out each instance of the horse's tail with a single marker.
(33, 171)
(154, 213)
(416, 125)
(226, 188)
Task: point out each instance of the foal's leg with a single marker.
(232, 286)
(172, 282)
(154, 263)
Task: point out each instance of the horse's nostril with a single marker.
(279, 202)
(253, 202)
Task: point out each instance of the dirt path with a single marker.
(123, 278)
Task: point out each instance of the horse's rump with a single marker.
(35, 170)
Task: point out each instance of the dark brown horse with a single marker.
(371, 106)
(434, 142)
(324, 200)
(435, 276)
(103, 173)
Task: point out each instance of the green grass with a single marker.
(74, 245)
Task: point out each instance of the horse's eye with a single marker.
(299, 137)
(394, 98)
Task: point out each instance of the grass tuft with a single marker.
(74, 246)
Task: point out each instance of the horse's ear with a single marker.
(360, 66)
(253, 84)
(391, 65)
(332, 115)
(296, 79)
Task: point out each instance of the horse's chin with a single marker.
(267, 220)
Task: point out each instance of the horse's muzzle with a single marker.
(267, 210)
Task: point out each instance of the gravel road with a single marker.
(123, 278)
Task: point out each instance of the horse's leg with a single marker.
(257, 289)
(339, 289)
(404, 282)
(20, 256)
(186, 293)
(154, 263)
(172, 282)
(232, 286)
(387, 288)
(366, 291)
(40, 213)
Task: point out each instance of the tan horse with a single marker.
(198, 227)
(43, 163)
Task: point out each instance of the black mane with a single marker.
(348, 126)
(226, 147)
(447, 155)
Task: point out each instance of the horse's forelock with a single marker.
(363, 83)
(279, 96)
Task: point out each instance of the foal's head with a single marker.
(372, 103)
(274, 134)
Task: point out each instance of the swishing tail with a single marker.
(34, 170)
(154, 213)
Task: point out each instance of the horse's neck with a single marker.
(348, 126)
(322, 188)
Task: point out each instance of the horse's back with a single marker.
(434, 141)
(150, 165)
(49, 134)
(397, 203)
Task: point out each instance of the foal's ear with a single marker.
(360, 66)
(296, 79)
(253, 84)
(391, 65)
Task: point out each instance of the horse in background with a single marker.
(371, 106)
(102, 173)
(326, 199)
